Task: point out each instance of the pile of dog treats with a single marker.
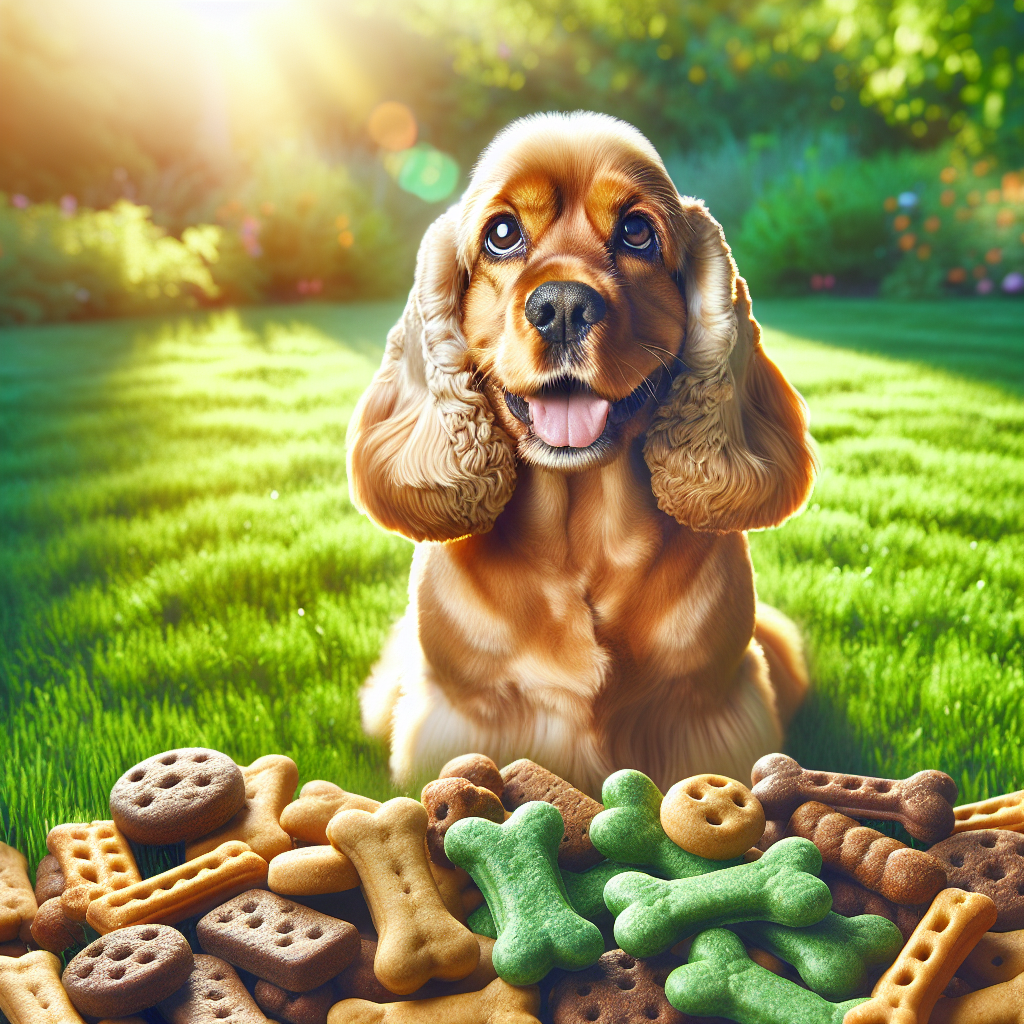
(509, 897)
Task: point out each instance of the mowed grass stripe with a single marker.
(150, 584)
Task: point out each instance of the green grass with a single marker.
(150, 582)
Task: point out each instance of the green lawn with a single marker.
(180, 564)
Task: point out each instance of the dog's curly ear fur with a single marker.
(425, 455)
(728, 449)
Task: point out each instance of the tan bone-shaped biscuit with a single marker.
(498, 1003)
(95, 859)
(998, 1004)
(31, 992)
(311, 871)
(418, 938)
(998, 957)
(17, 899)
(1006, 811)
(909, 989)
(270, 783)
(306, 818)
(184, 891)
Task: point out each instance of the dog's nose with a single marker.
(563, 311)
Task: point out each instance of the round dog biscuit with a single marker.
(989, 861)
(712, 816)
(129, 970)
(478, 768)
(177, 796)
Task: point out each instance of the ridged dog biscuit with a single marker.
(1006, 811)
(311, 871)
(17, 899)
(187, 890)
(269, 787)
(31, 992)
(212, 993)
(712, 816)
(95, 859)
(306, 818)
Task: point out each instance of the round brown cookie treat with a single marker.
(53, 930)
(49, 879)
(128, 970)
(712, 816)
(295, 1007)
(478, 768)
(989, 861)
(450, 800)
(177, 796)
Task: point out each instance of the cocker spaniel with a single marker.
(576, 422)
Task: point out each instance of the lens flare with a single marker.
(392, 126)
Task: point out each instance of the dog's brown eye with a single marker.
(636, 232)
(503, 237)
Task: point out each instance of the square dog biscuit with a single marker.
(17, 899)
(31, 992)
(282, 942)
(95, 859)
(212, 994)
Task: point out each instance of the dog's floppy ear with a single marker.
(728, 449)
(425, 456)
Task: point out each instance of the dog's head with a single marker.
(571, 304)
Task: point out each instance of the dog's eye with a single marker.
(503, 237)
(636, 232)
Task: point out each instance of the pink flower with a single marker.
(19, 201)
(68, 205)
(984, 286)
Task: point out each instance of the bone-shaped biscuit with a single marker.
(922, 804)
(721, 980)
(498, 1003)
(998, 957)
(418, 938)
(31, 992)
(53, 930)
(478, 768)
(834, 956)
(516, 867)
(95, 858)
(909, 989)
(651, 914)
(306, 818)
(629, 830)
(879, 862)
(184, 891)
(270, 783)
(311, 871)
(49, 879)
(17, 899)
(998, 1004)
(1006, 811)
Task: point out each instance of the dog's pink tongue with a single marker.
(575, 420)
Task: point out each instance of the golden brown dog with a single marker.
(576, 421)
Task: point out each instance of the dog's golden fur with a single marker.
(592, 608)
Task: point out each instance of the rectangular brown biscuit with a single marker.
(95, 859)
(17, 898)
(212, 994)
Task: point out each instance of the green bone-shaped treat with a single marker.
(629, 830)
(583, 889)
(720, 980)
(516, 867)
(833, 956)
(651, 914)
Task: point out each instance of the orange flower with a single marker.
(981, 169)
(345, 239)
(957, 275)
(908, 241)
(1004, 218)
(901, 223)
(890, 204)
(947, 175)
(932, 223)
(924, 252)
(948, 197)
(993, 255)
(993, 195)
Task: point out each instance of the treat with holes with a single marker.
(49, 879)
(651, 914)
(450, 800)
(53, 930)
(17, 898)
(418, 939)
(989, 861)
(270, 783)
(922, 804)
(879, 862)
(516, 867)
(95, 860)
(184, 891)
(280, 941)
(998, 957)
(618, 989)
(31, 992)
(851, 899)
(1006, 811)
(998, 1004)
(498, 1003)
(478, 768)
(719, 978)
(306, 818)
(295, 1007)
(909, 989)
(524, 781)
(311, 871)
(127, 971)
(712, 816)
(177, 796)
(212, 993)
(629, 830)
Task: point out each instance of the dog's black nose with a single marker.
(562, 311)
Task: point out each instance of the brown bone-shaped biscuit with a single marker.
(990, 861)
(450, 800)
(922, 804)
(525, 780)
(53, 930)
(49, 879)
(306, 818)
(478, 768)
(31, 992)
(17, 899)
(95, 859)
(880, 863)
(851, 899)
(213, 993)
(1005, 811)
